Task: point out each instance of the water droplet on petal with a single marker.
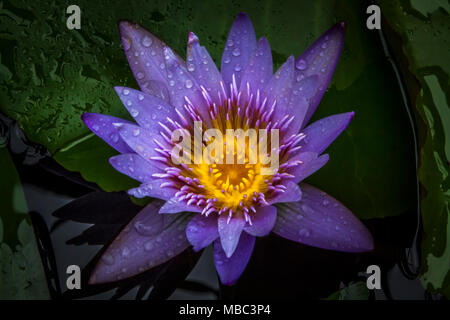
(134, 113)
(114, 137)
(125, 92)
(141, 97)
(95, 127)
(237, 68)
(136, 132)
(191, 67)
(301, 64)
(108, 259)
(140, 75)
(304, 233)
(236, 52)
(148, 246)
(188, 84)
(125, 252)
(147, 41)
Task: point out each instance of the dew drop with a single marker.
(237, 68)
(301, 64)
(304, 233)
(125, 92)
(188, 84)
(114, 137)
(191, 67)
(143, 228)
(134, 113)
(95, 127)
(148, 246)
(140, 75)
(108, 259)
(236, 52)
(136, 132)
(125, 252)
(141, 97)
(147, 41)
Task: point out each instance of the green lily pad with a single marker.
(21, 272)
(423, 28)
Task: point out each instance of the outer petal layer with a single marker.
(173, 205)
(134, 166)
(320, 134)
(102, 126)
(291, 194)
(310, 164)
(146, 109)
(145, 55)
(202, 67)
(321, 221)
(138, 248)
(230, 231)
(320, 60)
(241, 43)
(259, 69)
(202, 231)
(231, 268)
(153, 189)
(262, 221)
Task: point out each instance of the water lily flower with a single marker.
(226, 205)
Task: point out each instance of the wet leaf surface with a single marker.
(423, 28)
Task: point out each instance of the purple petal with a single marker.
(140, 140)
(134, 166)
(182, 85)
(158, 89)
(174, 205)
(262, 221)
(320, 59)
(138, 248)
(279, 88)
(146, 109)
(145, 55)
(321, 221)
(153, 189)
(230, 231)
(303, 89)
(291, 194)
(241, 43)
(320, 134)
(311, 163)
(102, 126)
(202, 67)
(231, 268)
(202, 231)
(259, 69)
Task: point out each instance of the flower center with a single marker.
(250, 179)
